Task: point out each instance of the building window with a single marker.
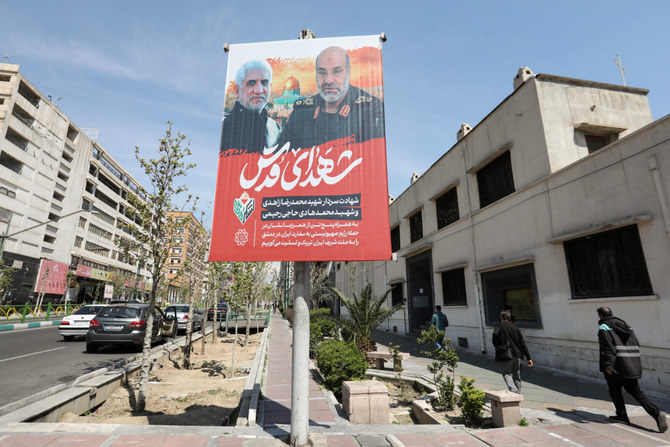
(495, 180)
(175, 260)
(512, 287)
(607, 264)
(446, 207)
(396, 294)
(395, 239)
(77, 241)
(453, 288)
(595, 142)
(415, 227)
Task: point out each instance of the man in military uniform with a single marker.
(247, 126)
(339, 110)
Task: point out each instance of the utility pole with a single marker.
(300, 359)
(621, 69)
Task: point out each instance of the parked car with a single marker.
(221, 310)
(182, 316)
(76, 324)
(127, 324)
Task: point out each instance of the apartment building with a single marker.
(63, 199)
(189, 244)
(555, 204)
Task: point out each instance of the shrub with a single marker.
(472, 401)
(441, 358)
(320, 326)
(339, 361)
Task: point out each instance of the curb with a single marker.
(12, 327)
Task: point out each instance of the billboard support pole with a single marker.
(300, 360)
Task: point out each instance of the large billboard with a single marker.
(52, 277)
(302, 159)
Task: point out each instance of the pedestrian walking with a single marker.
(621, 364)
(440, 322)
(510, 348)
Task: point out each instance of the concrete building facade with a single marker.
(63, 199)
(190, 243)
(555, 204)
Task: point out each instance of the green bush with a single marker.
(472, 401)
(320, 326)
(339, 361)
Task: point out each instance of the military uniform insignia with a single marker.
(316, 112)
(344, 111)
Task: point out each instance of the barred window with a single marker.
(607, 264)
(453, 288)
(396, 294)
(446, 207)
(415, 227)
(495, 180)
(395, 239)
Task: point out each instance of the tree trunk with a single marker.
(248, 323)
(215, 317)
(146, 352)
(189, 335)
(234, 346)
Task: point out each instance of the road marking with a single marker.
(28, 355)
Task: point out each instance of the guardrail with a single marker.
(32, 312)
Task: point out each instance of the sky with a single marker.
(127, 67)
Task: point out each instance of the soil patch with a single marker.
(208, 394)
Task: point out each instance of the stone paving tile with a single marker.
(277, 417)
(372, 440)
(83, 440)
(497, 437)
(138, 441)
(438, 440)
(320, 416)
(340, 441)
(553, 443)
(567, 431)
(229, 442)
(27, 440)
(598, 441)
(182, 441)
(529, 434)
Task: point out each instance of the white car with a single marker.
(76, 324)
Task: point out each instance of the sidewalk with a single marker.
(567, 411)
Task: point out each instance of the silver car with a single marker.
(182, 316)
(76, 324)
(126, 324)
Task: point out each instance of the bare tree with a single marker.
(151, 226)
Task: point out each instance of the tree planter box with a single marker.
(365, 402)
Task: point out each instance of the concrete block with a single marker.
(505, 409)
(365, 402)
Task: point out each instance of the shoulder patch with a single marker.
(604, 327)
(306, 102)
(344, 111)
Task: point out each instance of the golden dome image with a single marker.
(292, 83)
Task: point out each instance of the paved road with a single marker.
(34, 360)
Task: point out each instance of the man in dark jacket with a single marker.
(247, 127)
(339, 110)
(510, 349)
(621, 364)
